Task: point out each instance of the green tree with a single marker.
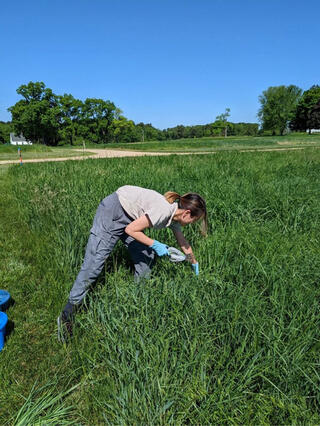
(207, 130)
(37, 115)
(243, 129)
(98, 116)
(71, 114)
(314, 117)
(125, 130)
(5, 129)
(303, 118)
(223, 119)
(148, 132)
(278, 106)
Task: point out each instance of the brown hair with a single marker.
(193, 202)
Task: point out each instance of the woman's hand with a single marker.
(186, 248)
(160, 248)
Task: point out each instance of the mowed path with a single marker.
(89, 153)
(108, 153)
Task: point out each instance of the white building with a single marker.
(313, 130)
(18, 140)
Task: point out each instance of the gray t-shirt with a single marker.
(138, 202)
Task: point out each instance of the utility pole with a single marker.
(20, 156)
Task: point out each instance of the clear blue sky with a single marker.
(164, 62)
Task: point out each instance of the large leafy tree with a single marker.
(304, 116)
(42, 116)
(71, 115)
(278, 106)
(98, 116)
(125, 130)
(37, 115)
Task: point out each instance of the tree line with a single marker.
(45, 117)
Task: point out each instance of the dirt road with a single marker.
(96, 153)
(108, 153)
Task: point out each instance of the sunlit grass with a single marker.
(224, 144)
(203, 145)
(238, 345)
(9, 152)
(45, 406)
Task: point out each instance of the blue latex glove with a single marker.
(195, 268)
(159, 248)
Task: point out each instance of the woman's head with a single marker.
(193, 205)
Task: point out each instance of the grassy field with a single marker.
(294, 140)
(232, 143)
(237, 345)
(9, 152)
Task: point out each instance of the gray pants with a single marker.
(108, 227)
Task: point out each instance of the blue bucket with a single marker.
(4, 299)
(3, 323)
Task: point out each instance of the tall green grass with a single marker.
(10, 152)
(294, 140)
(44, 406)
(239, 344)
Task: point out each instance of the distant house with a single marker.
(313, 131)
(18, 140)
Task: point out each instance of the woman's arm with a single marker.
(185, 246)
(135, 230)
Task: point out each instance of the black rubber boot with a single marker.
(64, 321)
